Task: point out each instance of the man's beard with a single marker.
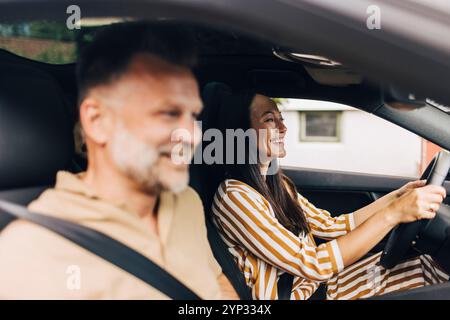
(139, 161)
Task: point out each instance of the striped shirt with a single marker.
(264, 249)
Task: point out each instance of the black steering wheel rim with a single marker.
(405, 235)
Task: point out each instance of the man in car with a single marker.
(135, 89)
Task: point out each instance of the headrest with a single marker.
(35, 129)
(215, 98)
(222, 105)
(202, 178)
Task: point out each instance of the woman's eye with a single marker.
(171, 114)
(268, 120)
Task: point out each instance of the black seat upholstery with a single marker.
(36, 137)
(205, 179)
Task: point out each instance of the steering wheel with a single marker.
(405, 235)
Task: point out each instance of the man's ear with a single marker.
(96, 121)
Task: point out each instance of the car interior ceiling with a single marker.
(39, 111)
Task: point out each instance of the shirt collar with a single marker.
(74, 183)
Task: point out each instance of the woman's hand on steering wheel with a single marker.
(416, 203)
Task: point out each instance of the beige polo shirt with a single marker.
(36, 263)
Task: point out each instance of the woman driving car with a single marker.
(269, 227)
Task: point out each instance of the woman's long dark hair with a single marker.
(276, 188)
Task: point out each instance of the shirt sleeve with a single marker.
(322, 224)
(251, 223)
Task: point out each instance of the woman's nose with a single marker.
(281, 127)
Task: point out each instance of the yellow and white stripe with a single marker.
(264, 250)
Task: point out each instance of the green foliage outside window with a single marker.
(45, 41)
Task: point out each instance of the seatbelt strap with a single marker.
(227, 263)
(285, 283)
(107, 248)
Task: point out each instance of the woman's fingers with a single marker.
(430, 198)
(415, 184)
(430, 206)
(419, 203)
(423, 202)
(410, 186)
(433, 198)
(436, 190)
(418, 183)
(427, 215)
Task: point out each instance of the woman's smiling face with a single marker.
(268, 122)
